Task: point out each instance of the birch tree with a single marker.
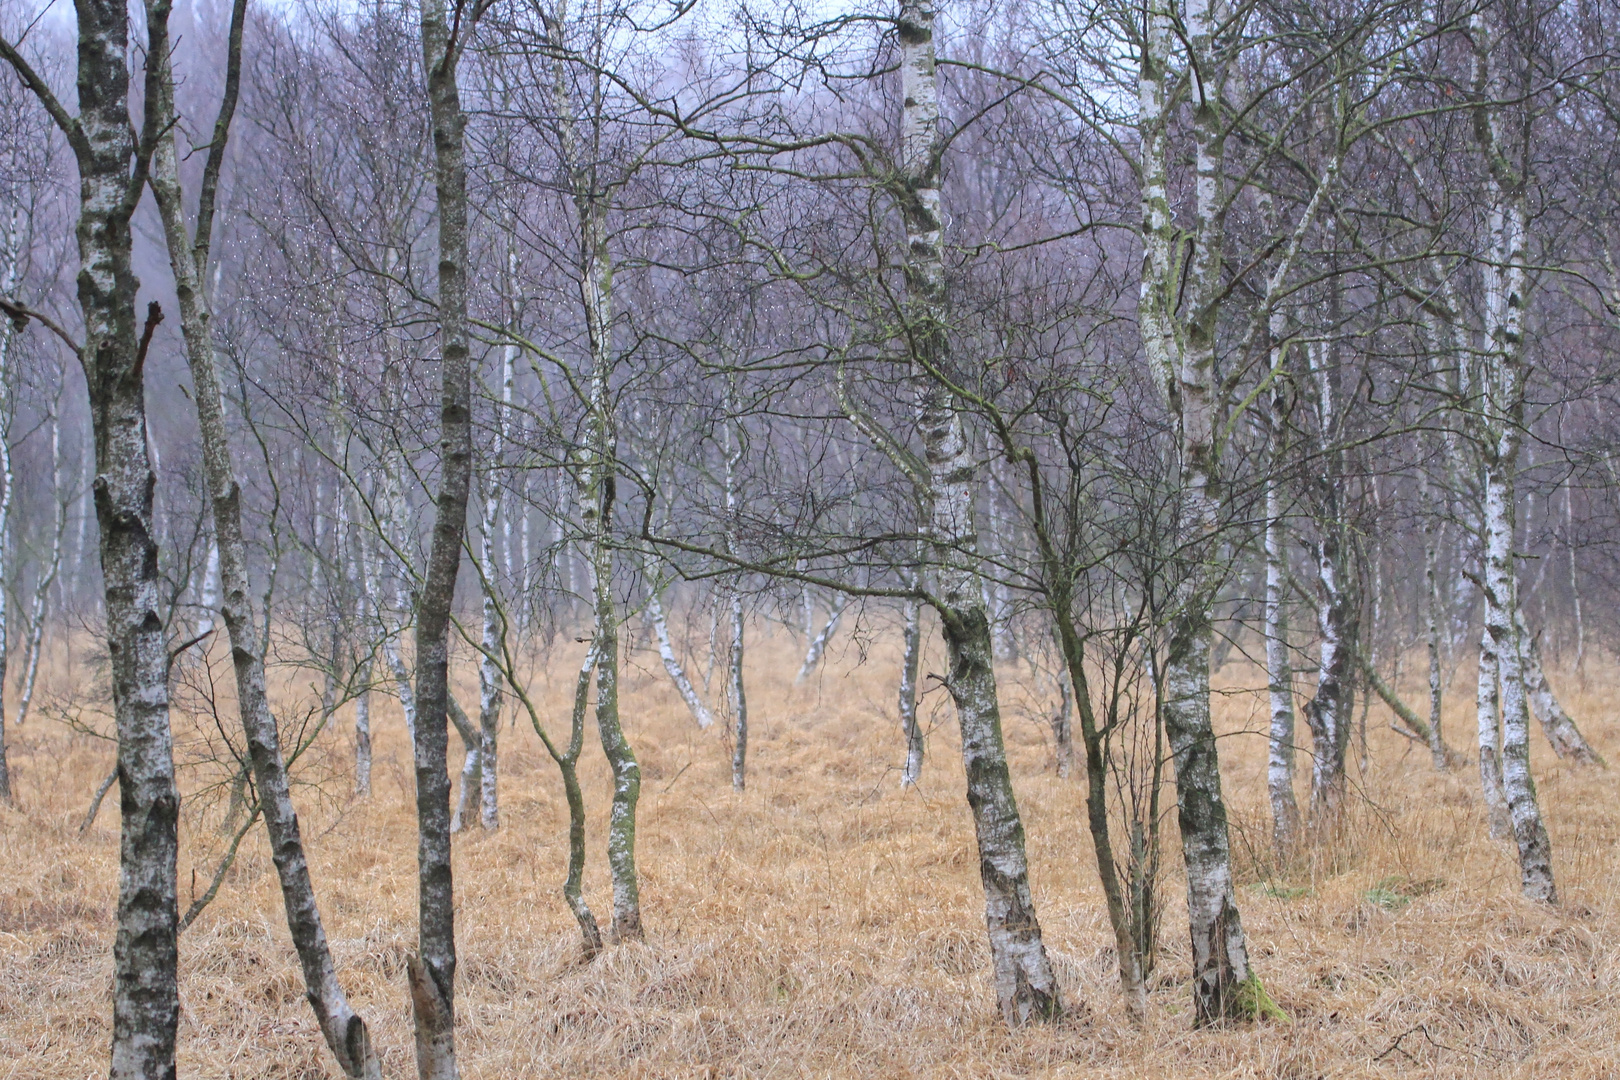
(113, 159)
(432, 970)
(189, 252)
(1502, 398)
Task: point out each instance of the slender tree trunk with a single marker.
(1182, 361)
(672, 665)
(1431, 614)
(1026, 988)
(489, 675)
(8, 282)
(1489, 705)
(597, 467)
(47, 579)
(596, 498)
(567, 763)
(911, 614)
(818, 644)
(733, 451)
(345, 1031)
(1502, 416)
(1279, 683)
(1559, 727)
(432, 970)
(739, 699)
(112, 175)
(1063, 728)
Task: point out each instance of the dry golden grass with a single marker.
(825, 924)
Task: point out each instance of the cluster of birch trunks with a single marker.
(1105, 337)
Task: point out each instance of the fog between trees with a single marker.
(1118, 345)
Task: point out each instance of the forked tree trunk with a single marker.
(597, 466)
(1026, 988)
(1518, 786)
(345, 1032)
(432, 970)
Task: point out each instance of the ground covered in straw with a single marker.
(824, 923)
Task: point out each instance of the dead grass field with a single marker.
(825, 924)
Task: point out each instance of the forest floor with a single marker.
(825, 923)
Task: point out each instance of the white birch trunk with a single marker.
(1279, 683)
(8, 281)
(1181, 359)
(47, 579)
(677, 674)
(911, 617)
(1502, 415)
(1562, 733)
(1026, 988)
(597, 466)
(818, 644)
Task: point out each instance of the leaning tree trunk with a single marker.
(672, 664)
(1026, 988)
(1562, 734)
(345, 1032)
(432, 971)
(818, 644)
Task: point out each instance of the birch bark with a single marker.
(1502, 418)
(112, 174)
(597, 464)
(672, 664)
(432, 970)
(911, 616)
(1026, 988)
(1562, 733)
(1180, 353)
(345, 1032)
(1279, 679)
(9, 242)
